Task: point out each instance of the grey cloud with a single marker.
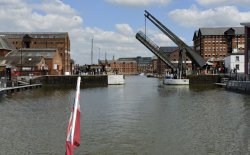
(220, 16)
(209, 3)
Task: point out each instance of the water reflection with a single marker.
(141, 117)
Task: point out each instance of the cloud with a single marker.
(220, 16)
(137, 3)
(55, 16)
(55, 7)
(223, 2)
(118, 44)
(6, 3)
(124, 29)
(23, 17)
(49, 16)
(211, 2)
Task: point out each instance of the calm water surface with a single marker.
(142, 117)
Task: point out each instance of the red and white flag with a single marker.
(73, 131)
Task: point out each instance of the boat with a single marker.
(168, 80)
(116, 79)
(149, 75)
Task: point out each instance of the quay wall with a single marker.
(71, 80)
(238, 86)
(204, 79)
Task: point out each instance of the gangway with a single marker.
(154, 49)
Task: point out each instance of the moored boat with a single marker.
(116, 79)
(171, 81)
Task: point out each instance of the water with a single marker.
(142, 117)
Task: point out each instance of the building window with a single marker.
(237, 58)
(237, 67)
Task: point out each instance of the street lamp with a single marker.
(99, 52)
(21, 68)
(92, 42)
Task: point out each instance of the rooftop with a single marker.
(221, 30)
(169, 49)
(245, 24)
(46, 53)
(16, 61)
(35, 34)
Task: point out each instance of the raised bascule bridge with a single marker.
(184, 49)
(154, 48)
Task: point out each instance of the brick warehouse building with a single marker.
(219, 42)
(39, 40)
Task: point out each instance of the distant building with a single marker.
(52, 59)
(154, 67)
(30, 65)
(142, 62)
(42, 40)
(125, 67)
(219, 42)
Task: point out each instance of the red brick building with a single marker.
(25, 58)
(42, 40)
(120, 67)
(219, 42)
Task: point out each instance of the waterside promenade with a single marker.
(19, 88)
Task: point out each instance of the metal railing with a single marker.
(148, 40)
(154, 48)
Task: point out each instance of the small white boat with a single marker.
(150, 75)
(170, 81)
(116, 79)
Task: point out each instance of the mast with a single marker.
(92, 42)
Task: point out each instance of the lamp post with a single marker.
(99, 52)
(92, 42)
(21, 68)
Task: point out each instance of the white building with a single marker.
(235, 61)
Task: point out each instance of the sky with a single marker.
(113, 24)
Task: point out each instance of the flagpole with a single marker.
(75, 108)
